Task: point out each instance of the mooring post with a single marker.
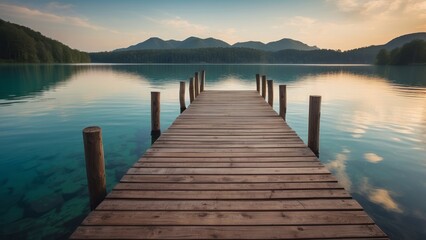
(203, 80)
(191, 90)
(264, 87)
(155, 116)
(283, 100)
(258, 83)
(95, 165)
(182, 96)
(314, 123)
(197, 87)
(271, 92)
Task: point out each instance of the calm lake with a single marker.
(373, 134)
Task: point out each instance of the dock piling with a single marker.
(314, 123)
(203, 80)
(264, 87)
(258, 83)
(283, 101)
(182, 96)
(191, 90)
(95, 165)
(197, 86)
(271, 92)
(155, 116)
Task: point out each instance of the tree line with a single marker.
(233, 55)
(23, 45)
(413, 52)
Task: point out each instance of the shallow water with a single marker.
(373, 134)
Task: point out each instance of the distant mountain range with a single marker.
(156, 43)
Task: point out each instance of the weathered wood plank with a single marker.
(178, 218)
(227, 232)
(226, 186)
(234, 194)
(226, 165)
(233, 171)
(229, 159)
(293, 153)
(229, 178)
(229, 205)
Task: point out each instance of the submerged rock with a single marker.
(46, 203)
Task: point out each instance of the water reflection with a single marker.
(369, 115)
(372, 157)
(338, 167)
(379, 196)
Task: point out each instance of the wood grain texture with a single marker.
(229, 167)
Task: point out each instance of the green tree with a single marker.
(383, 57)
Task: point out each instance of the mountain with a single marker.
(250, 44)
(370, 53)
(152, 43)
(191, 42)
(401, 40)
(194, 43)
(279, 45)
(22, 44)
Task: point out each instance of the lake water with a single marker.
(373, 134)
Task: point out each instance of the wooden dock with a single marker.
(228, 168)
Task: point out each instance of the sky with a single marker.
(109, 24)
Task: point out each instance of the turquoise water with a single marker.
(373, 134)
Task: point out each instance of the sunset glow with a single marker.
(329, 24)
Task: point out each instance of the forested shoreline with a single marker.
(413, 52)
(19, 44)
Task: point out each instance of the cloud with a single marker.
(182, 24)
(301, 21)
(382, 8)
(15, 11)
(54, 6)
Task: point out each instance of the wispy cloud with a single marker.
(16, 11)
(382, 8)
(183, 24)
(53, 6)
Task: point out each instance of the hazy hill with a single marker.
(279, 45)
(191, 42)
(194, 42)
(401, 40)
(370, 53)
(21, 44)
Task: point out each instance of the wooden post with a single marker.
(271, 92)
(258, 83)
(182, 96)
(197, 88)
(191, 90)
(264, 87)
(314, 123)
(95, 166)
(203, 80)
(283, 101)
(155, 116)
